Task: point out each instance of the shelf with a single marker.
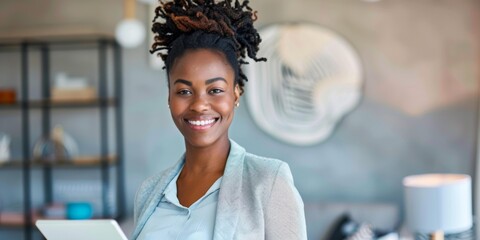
(14, 40)
(15, 220)
(107, 99)
(77, 38)
(85, 161)
(60, 104)
(12, 225)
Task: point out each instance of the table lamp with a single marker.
(438, 203)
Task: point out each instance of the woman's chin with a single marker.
(203, 142)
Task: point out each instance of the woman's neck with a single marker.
(207, 160)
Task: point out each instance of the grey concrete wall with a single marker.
(418, 113)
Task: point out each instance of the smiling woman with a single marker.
(216, 190)
(202, 97)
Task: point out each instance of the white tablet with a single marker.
(80, 229)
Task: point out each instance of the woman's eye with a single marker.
(216, 91)
(184, 92)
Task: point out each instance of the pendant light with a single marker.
(130, 32)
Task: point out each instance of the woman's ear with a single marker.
(237, 93)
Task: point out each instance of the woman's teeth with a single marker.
(202, 122)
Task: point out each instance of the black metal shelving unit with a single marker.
(104, 45)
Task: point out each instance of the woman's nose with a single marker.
(200, 104)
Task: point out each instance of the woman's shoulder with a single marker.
(260, 161)
(254, 163)
(264, 165)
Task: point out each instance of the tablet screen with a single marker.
(80, 229)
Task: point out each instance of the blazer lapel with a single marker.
(156, 196)
(229, 195)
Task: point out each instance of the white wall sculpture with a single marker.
(312, 78)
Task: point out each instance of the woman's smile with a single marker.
(201, 124)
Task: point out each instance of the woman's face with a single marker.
(202, 96)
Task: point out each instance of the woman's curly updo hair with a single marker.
(226, 26)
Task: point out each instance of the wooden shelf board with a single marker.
(60, 104)
(55, 35)
(83, 161)
(11, 225)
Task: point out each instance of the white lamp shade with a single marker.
(130, 33)
(438, 202)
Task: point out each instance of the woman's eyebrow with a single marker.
(188, 83)
(210, 81)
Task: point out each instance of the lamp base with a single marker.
(438, 235)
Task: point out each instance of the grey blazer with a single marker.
(257, 199)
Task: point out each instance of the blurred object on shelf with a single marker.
(8, 96)
(87, 191)
(65, 95)
(4, 147)
(54, 211)
(85, 160)
(63, 81)
(79, 210)
(59, 146)
(71, 89)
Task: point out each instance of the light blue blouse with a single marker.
(171, 220)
